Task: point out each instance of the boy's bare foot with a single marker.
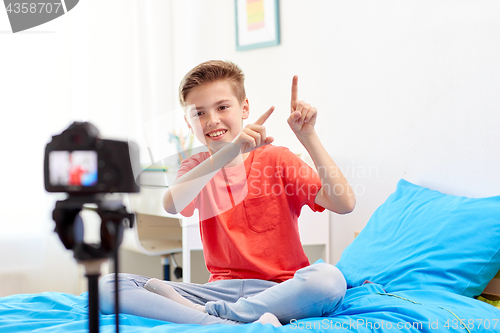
(269, 318)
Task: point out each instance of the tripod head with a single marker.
(69, 226)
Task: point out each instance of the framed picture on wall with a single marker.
(257, 24)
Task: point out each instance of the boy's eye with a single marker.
(223, 107)
(197, 114)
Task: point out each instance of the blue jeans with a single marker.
(314, 291)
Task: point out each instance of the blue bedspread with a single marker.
(365, 309)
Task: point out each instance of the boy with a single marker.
(249, 195)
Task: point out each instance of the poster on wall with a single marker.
(257, 24)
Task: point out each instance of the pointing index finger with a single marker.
(264, 116)
(295, 92)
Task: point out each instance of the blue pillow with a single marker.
(424, 239)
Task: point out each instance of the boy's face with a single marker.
(214, 114)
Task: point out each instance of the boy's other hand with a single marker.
(253, 135)
(303, 116)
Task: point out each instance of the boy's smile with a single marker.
(217, 134)
(214, 113)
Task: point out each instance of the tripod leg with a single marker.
(92, 272)
(93, 303)
(117, 300)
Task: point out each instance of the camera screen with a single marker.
(73, 168)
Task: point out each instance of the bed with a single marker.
(418, 266)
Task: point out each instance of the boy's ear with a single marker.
(189, 125)
(246, 109)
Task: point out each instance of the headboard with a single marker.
(492, 290)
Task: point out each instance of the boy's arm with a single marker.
(336, 193)
(188, 186)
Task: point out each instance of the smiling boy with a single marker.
(248, 215)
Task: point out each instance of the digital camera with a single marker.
(78, 161)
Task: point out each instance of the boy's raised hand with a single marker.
(253, 135)
(303, 116)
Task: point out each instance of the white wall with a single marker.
(403, 88)
(33, 90)
(93, 64)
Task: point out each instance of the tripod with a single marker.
(69, 227)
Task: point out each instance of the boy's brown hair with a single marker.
(211, 71)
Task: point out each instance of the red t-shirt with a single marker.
(248, 215)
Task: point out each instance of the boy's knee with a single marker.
(107, 283)
(107, 290)
(106, 293)
(324, 279)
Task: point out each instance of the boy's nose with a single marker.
(213, 119)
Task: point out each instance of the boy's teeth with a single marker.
(216, 133)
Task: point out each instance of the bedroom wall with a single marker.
(86, 65)
(32, 259)
(404, 89)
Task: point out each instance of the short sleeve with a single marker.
(187, 165)
(303, 179)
